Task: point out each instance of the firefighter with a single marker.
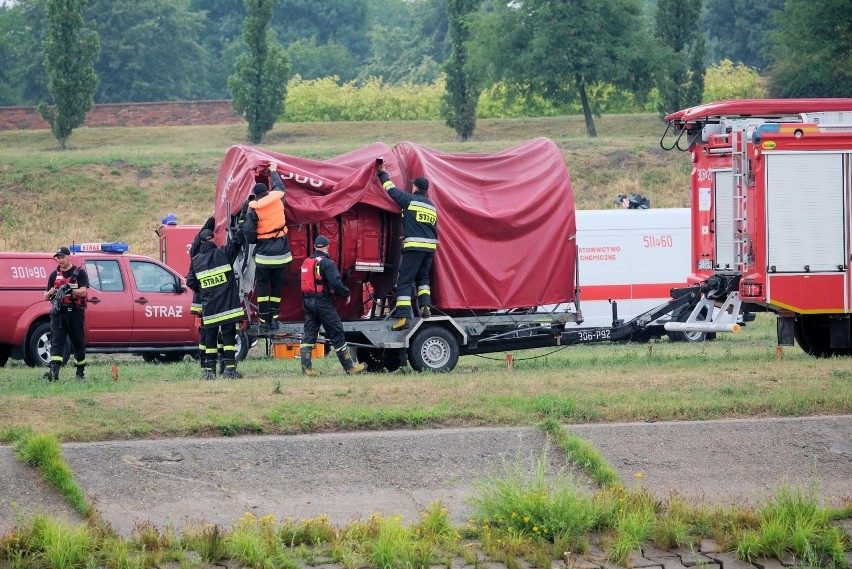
(211, 274)
(266, 225)
(319, 280)
(196, 308)
(67, 287)
(420, 241)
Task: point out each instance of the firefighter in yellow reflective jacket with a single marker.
(211, 274)
(420, 241)
(266, 225)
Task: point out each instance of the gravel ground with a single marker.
(352, 475)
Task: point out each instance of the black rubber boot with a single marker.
(348, 365)
(81, 371)
(307, 367)
(52, 374)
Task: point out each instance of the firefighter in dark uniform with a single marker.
(67, 287)
(195, 308)
(420, 241)
(211, 274)
(319, 280)
(266, 225)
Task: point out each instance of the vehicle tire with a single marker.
(433, 349)
(38, 346)
(163, 358)
(242, 345)
(5, 352)
(813, 334)
(378, 360)
(689, 336)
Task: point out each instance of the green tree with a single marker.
(738, 30)
(259, 83)
(149, 50)
(23, 32)
(681, 78)
(409, 42)
(557, 50)
(221, 40)
(10, 92)
(458, 106)
(69, 51)
(343, 22)
(811, 50)
(312, 61)
(728, 81)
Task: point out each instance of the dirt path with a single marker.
(352, 475)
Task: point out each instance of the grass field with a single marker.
(115, 184)
(734, 376)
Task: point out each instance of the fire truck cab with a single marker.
(771, 220)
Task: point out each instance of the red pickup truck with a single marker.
(136, 305)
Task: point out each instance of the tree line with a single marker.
(559, 52)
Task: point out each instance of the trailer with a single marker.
(505, 275)
(771, 218)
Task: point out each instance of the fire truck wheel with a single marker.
(433, 349)
(379, 360)
(813, 335)
(5, 352)
(38, 346)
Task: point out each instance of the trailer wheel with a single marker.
(38, 346)
(242, 344)
(379, 360)
(433, 349)
(689, 336)
(813, 334)
(5, 352)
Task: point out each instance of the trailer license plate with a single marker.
(705, 264)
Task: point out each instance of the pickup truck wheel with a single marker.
(5, 352)
(433, 349)
(38, 346)
(163, 358)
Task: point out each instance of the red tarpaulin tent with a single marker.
(505, 221)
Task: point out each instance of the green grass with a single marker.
(42, 451)
(522, 513)
(735, 376)
(116, 184)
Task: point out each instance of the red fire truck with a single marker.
(771, 219)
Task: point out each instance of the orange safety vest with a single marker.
(271, 221)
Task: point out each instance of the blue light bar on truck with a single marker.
(115, 247)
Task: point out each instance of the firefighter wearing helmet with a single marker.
(265, 224)
(319, 280)
(420, 241)
(67, 287)
(211, 274)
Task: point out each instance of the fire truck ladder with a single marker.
(740, 165)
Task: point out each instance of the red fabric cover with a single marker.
(316, 190)
(505, 220)
(505, 225)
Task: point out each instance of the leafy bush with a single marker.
(725, 80)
